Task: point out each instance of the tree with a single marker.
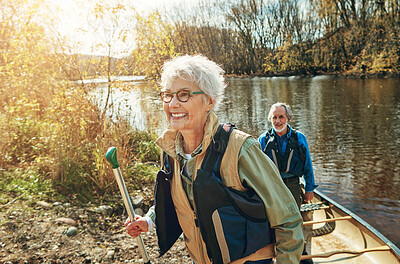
(154, 44)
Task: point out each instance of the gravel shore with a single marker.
(53, 232)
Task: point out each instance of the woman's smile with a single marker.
(178, 115)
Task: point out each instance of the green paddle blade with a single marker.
(111, 156)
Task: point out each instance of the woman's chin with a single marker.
(177, 125)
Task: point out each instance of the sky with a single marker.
(71, 22)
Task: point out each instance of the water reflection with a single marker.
(352, 127)
(140, 105)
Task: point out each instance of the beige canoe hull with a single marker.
(337, 235)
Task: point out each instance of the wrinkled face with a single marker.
(190, 115)
(279, 120)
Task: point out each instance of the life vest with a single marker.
(230, 221)
(293, 159)
(167, 225)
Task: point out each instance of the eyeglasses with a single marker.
(182, 95)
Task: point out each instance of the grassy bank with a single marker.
(53, 141)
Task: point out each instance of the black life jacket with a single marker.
(167, 225)
(293, 159)
(233, 224)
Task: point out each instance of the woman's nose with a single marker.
(174, 102)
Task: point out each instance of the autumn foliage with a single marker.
(289, 37)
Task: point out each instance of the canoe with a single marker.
(334, 234)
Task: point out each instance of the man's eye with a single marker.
(184, 94)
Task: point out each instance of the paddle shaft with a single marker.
(130, 210)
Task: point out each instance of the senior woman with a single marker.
(192, 87)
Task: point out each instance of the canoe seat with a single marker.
(313, 206)
(328, 226)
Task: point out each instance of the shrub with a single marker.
(142, 145)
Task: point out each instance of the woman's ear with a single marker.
(210, 103)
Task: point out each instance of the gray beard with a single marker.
(282, 129)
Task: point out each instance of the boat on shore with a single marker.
(334, 234)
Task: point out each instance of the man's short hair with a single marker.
(289, 113)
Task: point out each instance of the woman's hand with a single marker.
(137, 226)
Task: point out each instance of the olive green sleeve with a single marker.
(258, 171)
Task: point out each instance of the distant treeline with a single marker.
(254, 37)
(257, 37)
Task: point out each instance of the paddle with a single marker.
(111, 156)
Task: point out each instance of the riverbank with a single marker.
(49, 231)
(347, 75)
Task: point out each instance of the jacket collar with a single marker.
(168, 140)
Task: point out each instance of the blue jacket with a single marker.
(300, 163)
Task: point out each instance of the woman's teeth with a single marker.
(178, 115)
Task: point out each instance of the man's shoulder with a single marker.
(301, 138)
(295, 131)
(263, 135)
(266, 133)
(299, 133)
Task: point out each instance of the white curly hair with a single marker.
(207, 75)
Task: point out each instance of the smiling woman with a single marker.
(189, 198)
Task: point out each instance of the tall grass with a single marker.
(65, 137)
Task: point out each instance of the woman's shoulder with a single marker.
(247, 141)
(241, 136)
(238, 140)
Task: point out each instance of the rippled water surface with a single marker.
(352, 127)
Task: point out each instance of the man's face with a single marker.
(279, 120)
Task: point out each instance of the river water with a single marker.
(352, 127)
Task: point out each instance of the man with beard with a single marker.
(288, 149)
